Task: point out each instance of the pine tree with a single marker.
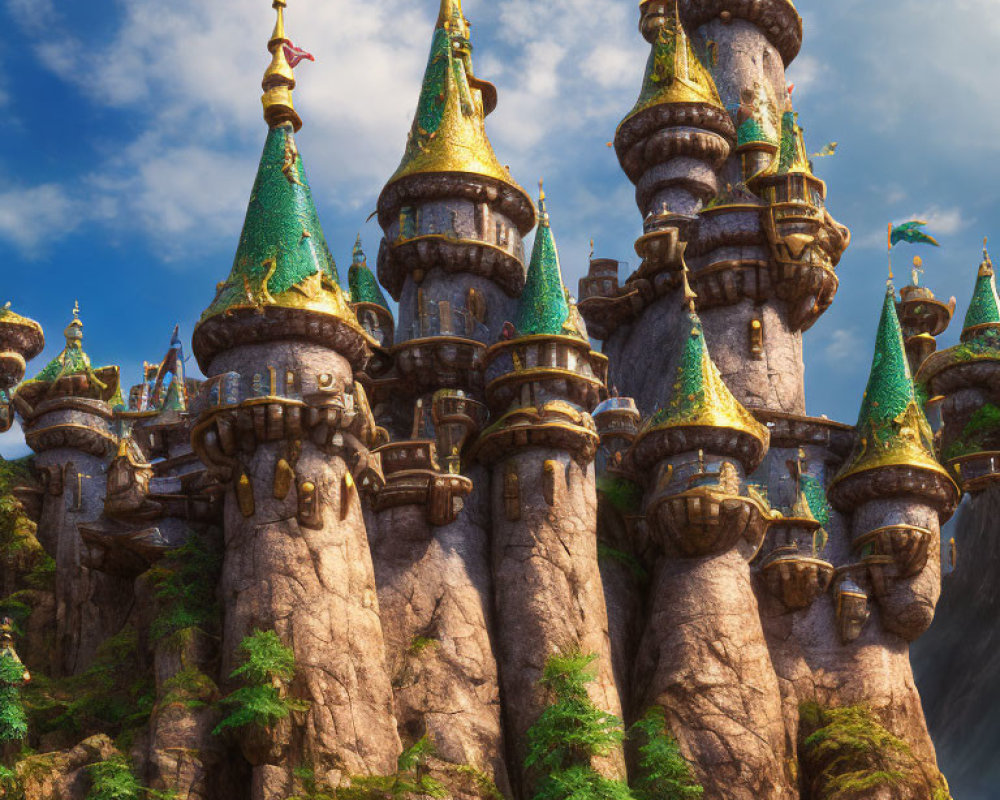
(570, 733)
(663, 772)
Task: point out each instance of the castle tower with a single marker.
(761, 246)
(965, 377)
(893, 496)
(454, 221)
(704, 526)
(67, 416)
(541, 385)
(923, 318)
(285, 424)
(21, 340)
(368, 301)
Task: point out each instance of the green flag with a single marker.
(910, 232)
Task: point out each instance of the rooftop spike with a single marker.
(449, 129)
(892, 430)
(984, 310)
(674, 74)
(544, 309)
(279, 79)
(361, 280)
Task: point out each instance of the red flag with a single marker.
(296, 55)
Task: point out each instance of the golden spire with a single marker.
(279, 79)
(986, 268)
(74, 331)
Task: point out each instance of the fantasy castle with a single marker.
(385, 530)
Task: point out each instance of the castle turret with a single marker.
(895, 489)
(922, 317)
(966, 378)
(454, 220)
(67, 417)
(705, 526)
(542, 384)
(21, 340)
(286, 426)
(750, 220)
(368, 301)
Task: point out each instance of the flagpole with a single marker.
(889, 242)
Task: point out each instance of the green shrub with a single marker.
(114, 695)
(10, 785)
(846, 754)
(13, 719)
(267, 665)
(184, 583)
(663, 772)
(113, 780)
(570, 733)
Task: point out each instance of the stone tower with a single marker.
(21, 340)
(67, 416)
(454, 221)
(543, 381)
(288, 427)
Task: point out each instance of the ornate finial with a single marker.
(279, 79)
(986, 268)
(918, 269)
(689, 294)
(543, 215)
(358, 256)
(591, 249)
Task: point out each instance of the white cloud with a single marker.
(842, 349)
(943, 221)
(30, 217)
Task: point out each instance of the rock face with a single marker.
(301, 566)
(435, 595)
(955, 662)
(706, 663)
(548, 585)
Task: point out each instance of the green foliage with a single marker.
(10, 785)
(268, 667)
(191, 687)
(114, 695)
(663, 772)
(571, 732)
(184, 583)
(980, 433)
(13, 719)
(606, 552)
(846, 754)
(420, 644)
(113, 780)
(623, 494)
(411, 780)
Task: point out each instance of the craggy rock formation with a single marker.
(462, 553)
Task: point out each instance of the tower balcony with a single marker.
(553, 425)
(617, 417)
(12, 369)
(74, 423)
(906, 546)
(973, 364)
(378, 323)
(538, 366)
(797, 580)
(976, 471)
(921, 312)
(413, 477)
(706, 521)
(453, 362)
(695, 509)
(935, 489)
(501, 263)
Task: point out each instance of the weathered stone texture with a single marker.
(549, 597)
(435, 594)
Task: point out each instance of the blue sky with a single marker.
(131, 130)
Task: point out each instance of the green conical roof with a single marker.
(544, 309)
(674, 74)
(283, 258)
(699, 397)
(362, 281)
(892, 429)
(984, 308)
